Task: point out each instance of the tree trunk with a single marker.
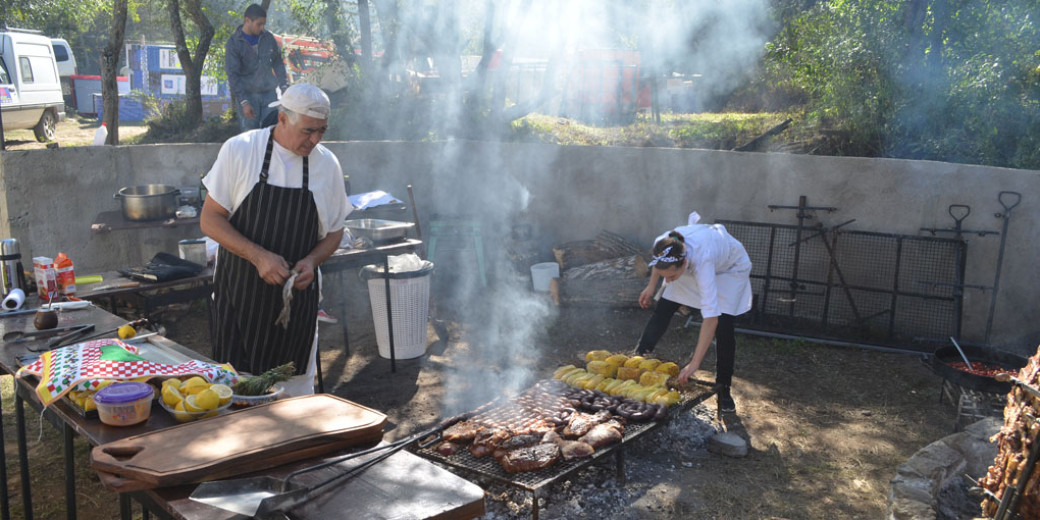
(634, 266)
(365, 26)
(192, 66)
(109, 68)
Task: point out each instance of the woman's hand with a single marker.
(646, 297)
(687, 372)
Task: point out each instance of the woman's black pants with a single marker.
(725, 339)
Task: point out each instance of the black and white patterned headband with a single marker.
(667, 258)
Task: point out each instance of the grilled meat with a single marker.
(447, 448)
(569, 449)
(530, 458)
(604, 434)
(487, 441)
(516, 441)
(581, 423)
(462, 432)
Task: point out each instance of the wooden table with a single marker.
(406, 483)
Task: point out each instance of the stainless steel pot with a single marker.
(148, 201)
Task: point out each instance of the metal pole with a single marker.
(1006, 217)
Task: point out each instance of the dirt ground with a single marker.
(74, 131)
(827, 426)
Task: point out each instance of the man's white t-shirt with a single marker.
(237, 170)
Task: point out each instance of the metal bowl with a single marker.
(379, 230)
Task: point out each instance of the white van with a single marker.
(30, 89)
(66, 64)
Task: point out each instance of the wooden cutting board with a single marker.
(240, 442)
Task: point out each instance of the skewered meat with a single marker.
(530, 458)
(604, 434)
(569, 449)
(462, 432)
(581, 423)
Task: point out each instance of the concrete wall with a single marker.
(568, 193)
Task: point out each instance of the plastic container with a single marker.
(410, 302)
(101, 134)
(542, 273)
(124, 404)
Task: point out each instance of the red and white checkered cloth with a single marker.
(84, 366)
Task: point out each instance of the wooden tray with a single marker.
(240, 442)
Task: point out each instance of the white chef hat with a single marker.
(306, 99)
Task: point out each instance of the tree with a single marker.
(109, 67)
(192, 65)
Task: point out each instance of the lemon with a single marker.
(126, 331)
(207, 399)
(180, 414)
(224, 392)
(172, 381)
(89, 404)
(171, 395)
(191, 404)
(194, 385)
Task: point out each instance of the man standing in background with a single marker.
(254, 66)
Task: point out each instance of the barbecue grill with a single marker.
(539, 403)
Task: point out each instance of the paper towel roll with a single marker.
(14, 299)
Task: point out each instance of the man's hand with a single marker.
(272, 268)
(247, 110)
(305, 268)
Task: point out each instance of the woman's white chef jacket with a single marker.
(717, 276)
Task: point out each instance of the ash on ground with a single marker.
(595, 492)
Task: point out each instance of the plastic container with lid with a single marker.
(124, 404)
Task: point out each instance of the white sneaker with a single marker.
(326, 317)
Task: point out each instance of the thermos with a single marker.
(11, 270)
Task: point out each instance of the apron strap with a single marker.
(267, 162)
(267, 157)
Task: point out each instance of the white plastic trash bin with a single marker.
(542, 273)
(410, 303)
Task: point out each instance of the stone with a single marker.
(728, 444)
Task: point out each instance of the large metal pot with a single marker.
(148, 201)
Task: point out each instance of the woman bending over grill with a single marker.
(703, 267)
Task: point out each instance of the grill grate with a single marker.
(542, 399)
(852, 285)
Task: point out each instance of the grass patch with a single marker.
(718, 131)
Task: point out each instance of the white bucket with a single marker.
(542, 273)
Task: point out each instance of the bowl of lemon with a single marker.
(194, 398)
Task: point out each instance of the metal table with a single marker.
(383, 489)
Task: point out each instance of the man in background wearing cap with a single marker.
(276, 204)
(254, 66)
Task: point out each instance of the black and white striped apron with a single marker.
(283, 221)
